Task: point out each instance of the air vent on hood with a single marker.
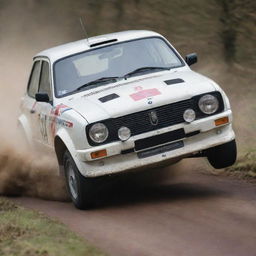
(174, 81)
(109, 97)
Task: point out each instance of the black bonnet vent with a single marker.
(108, 97)
(174, 81)
(104, 42)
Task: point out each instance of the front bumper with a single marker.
(209, 136)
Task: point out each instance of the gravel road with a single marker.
(192, 213)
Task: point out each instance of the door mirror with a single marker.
(42, 97)
(191, 58)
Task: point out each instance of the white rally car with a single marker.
(121, 102)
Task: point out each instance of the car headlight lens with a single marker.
(208, 104)
(189, 115)
(124, 133)
(98, 132)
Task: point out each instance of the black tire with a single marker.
(82, 196)
(223, 155)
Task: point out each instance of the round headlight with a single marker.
(98, 132)
(189, 115)
(124, 133)
(208, 104)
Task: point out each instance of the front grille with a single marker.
(167, 115)
(159, 139)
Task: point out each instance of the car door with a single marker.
(45, 108)
(28, 105)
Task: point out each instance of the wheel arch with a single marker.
(63, 142)
(60, 148)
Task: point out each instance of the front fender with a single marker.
(66, 139)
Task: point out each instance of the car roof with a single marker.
(64, 50)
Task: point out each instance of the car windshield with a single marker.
(109, 64)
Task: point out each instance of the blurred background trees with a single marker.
(239, 23)
(213, 28)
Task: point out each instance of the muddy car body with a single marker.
(120, 102)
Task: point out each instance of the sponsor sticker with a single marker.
(56, 112)
(60, 109)
(140, 95)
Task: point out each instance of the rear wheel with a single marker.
(80, 188)
(223, 155)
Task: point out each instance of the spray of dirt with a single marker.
(21, 174)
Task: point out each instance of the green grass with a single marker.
(28, 233)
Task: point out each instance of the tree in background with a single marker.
(235, 14)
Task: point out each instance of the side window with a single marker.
(45, 85)
(34, 80)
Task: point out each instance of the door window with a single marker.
(34, 79)
(45, 85)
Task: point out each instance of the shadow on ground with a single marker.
(141, 188)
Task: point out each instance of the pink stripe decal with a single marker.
(145, 94)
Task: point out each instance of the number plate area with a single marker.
(160, 149)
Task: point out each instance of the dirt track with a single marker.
(192, 214)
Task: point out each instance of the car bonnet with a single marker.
(139, 93)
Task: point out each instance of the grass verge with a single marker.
(28, 233)
(245, 167)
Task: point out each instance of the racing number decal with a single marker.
(43, 128)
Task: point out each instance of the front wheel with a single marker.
(80, 188)
(223, 155)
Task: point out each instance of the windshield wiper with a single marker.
(98, 81)
(143, 69)
(92, 84)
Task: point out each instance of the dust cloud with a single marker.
(21, 174)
